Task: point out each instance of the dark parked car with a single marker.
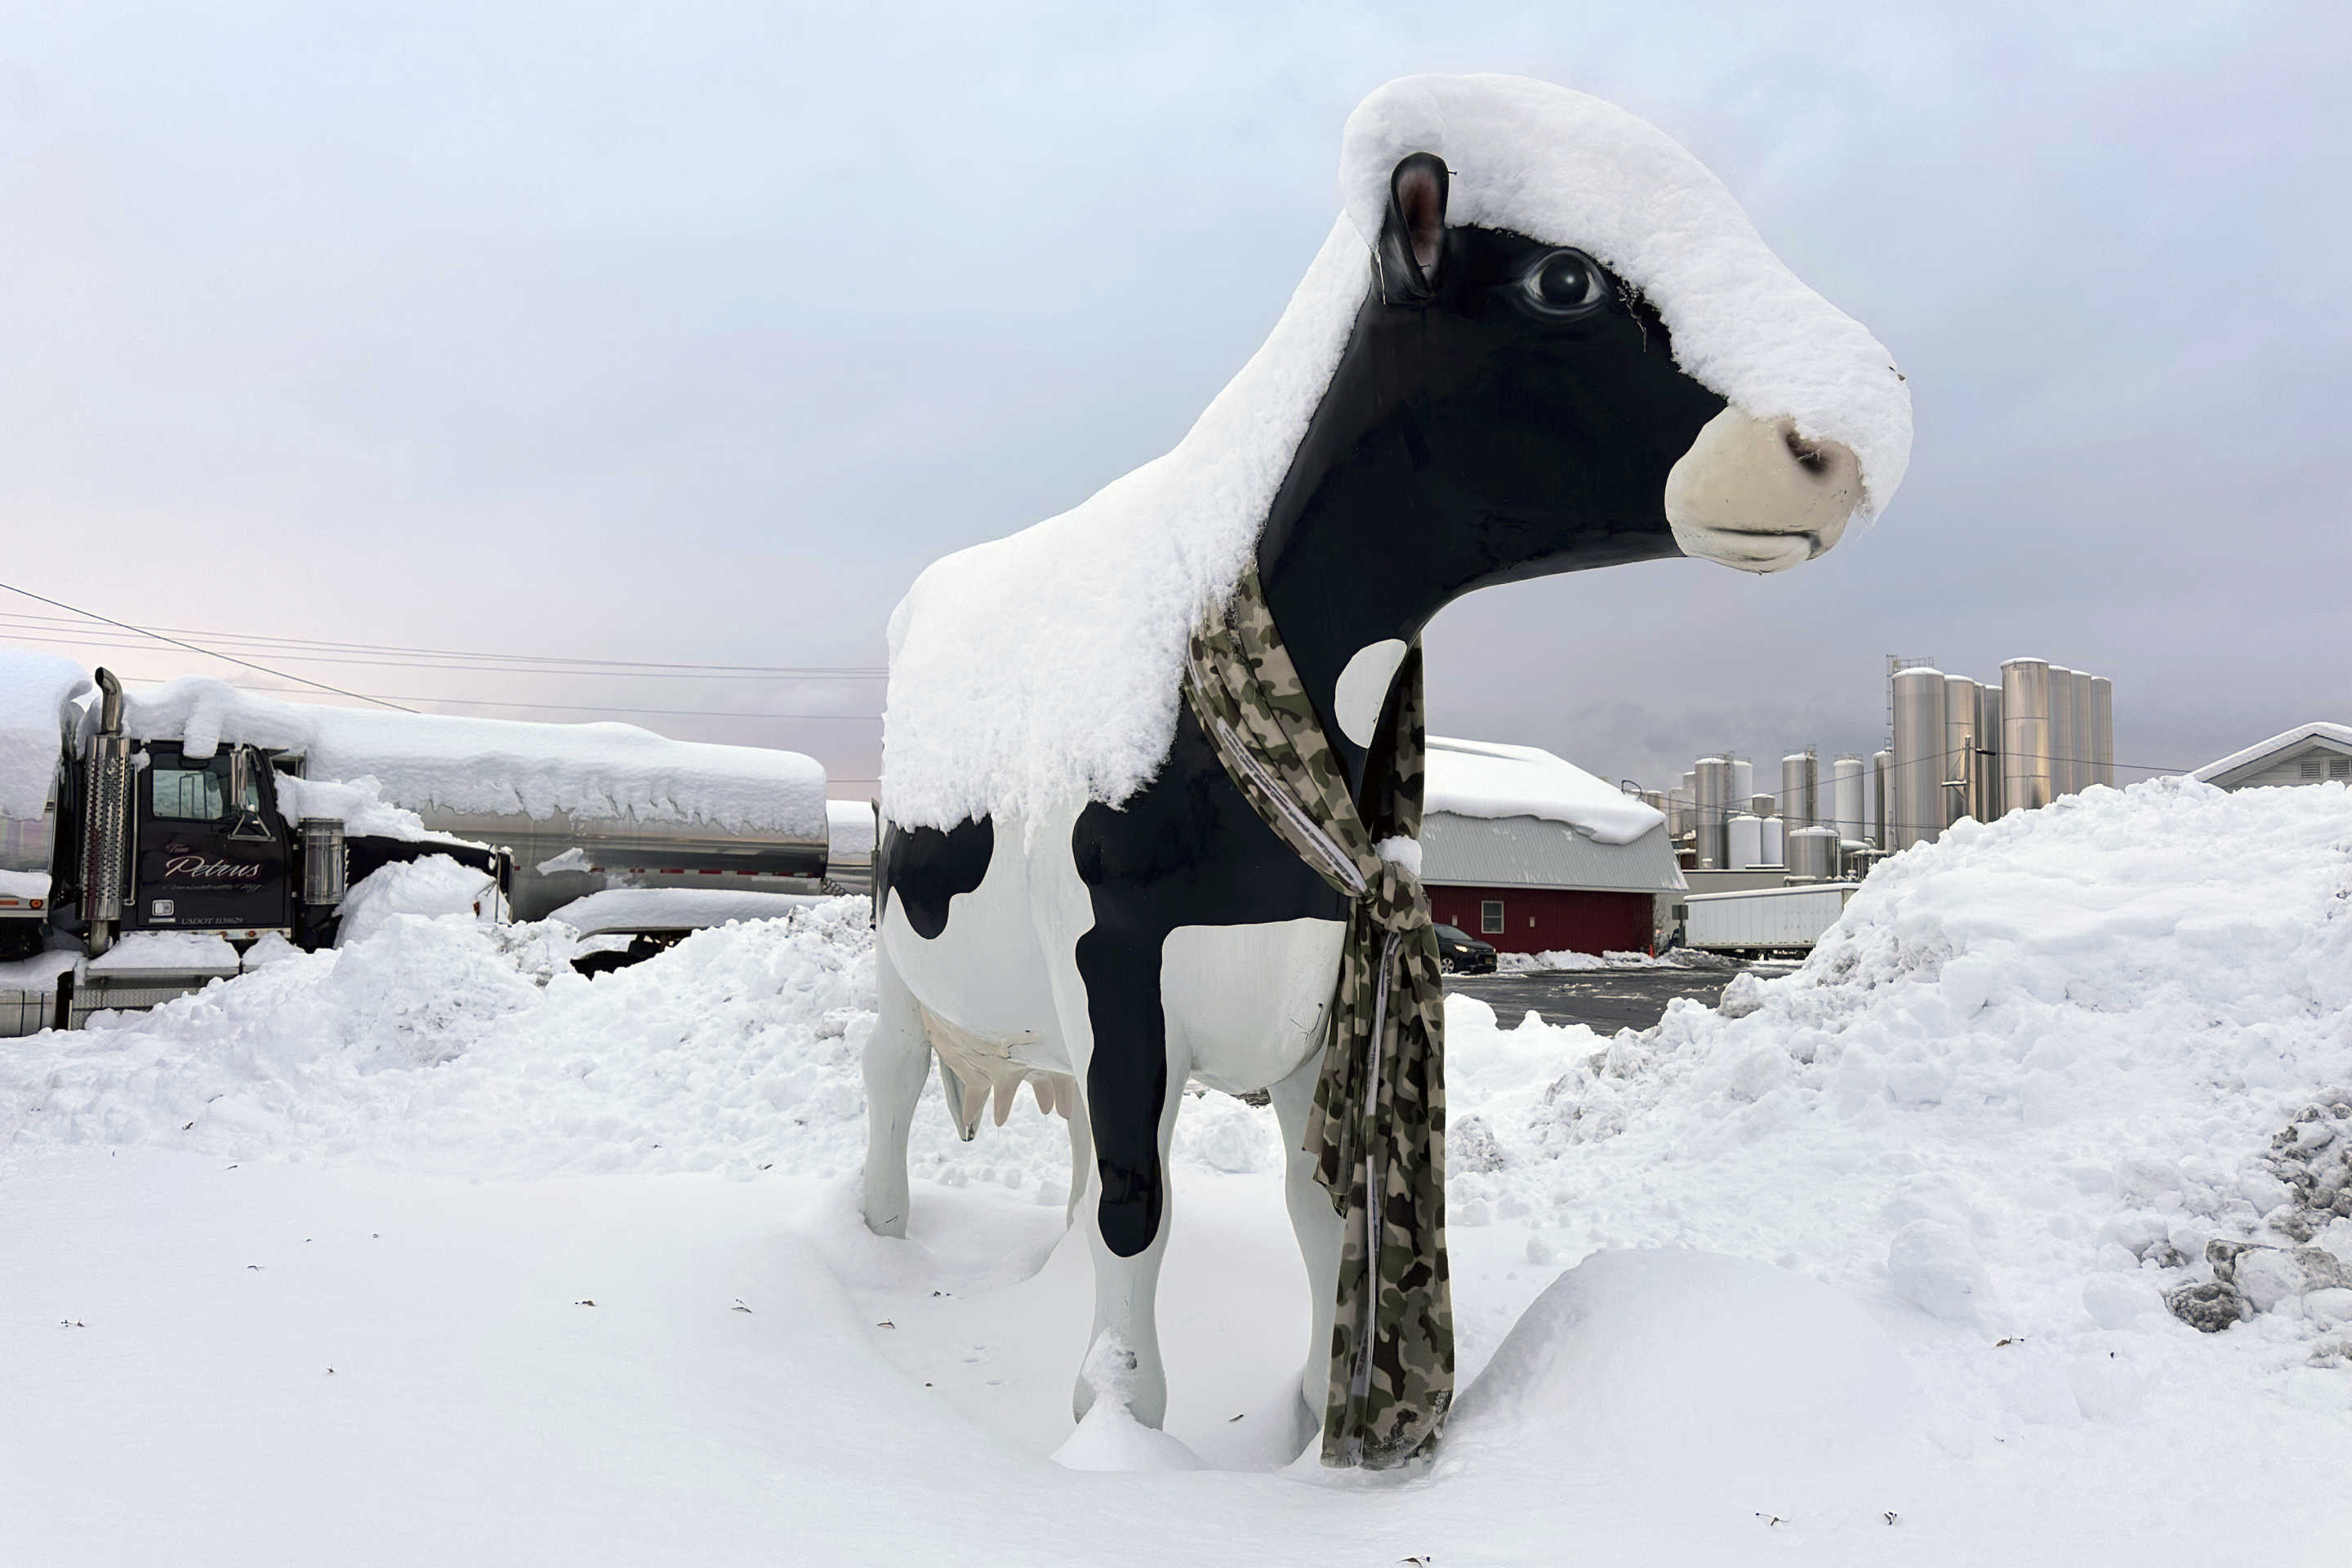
(1459, 952)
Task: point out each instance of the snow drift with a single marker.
(2036, 1070)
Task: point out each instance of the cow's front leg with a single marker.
(1317, 1225)
(1131, 1083)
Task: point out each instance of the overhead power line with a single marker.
(565, 707)
(208, 653)
(330, 651)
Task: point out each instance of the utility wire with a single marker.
(208, 653)
(87, 641)
(569, 707)
(322, 650)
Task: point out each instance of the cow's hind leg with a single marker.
(897, 1057)
(1131, 1083)
(1317, 1225)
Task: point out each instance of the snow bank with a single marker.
(498, 767)
(446, 1043)
(674, 909)
(1482, 778)
(36, 694)
(2040, 1078)
(430, 885)
(1039, 671)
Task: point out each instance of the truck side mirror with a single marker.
(244, 797)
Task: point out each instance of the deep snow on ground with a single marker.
(1889, 1236)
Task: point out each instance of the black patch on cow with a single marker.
(927, 868)
(1189, 850)
(1468, 440)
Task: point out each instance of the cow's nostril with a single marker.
(1809, 455)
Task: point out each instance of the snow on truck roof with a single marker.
(496, 767)
(1040, 670)
(1480, 778)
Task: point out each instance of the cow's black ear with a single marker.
(1413, 237)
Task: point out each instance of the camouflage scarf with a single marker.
(1378, 1129)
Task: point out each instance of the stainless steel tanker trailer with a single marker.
(191, 830)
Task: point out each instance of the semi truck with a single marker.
(190, 831)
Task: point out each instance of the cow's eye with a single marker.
(1565, 283)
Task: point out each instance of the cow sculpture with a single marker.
(1542, 339)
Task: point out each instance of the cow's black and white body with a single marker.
(1503, 406)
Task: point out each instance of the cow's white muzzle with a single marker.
(1753, 493)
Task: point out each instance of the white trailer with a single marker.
(1765, 920)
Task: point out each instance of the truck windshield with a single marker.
(189, 795)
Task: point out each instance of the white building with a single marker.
(2309, 754)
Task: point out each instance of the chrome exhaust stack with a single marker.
(106, 819)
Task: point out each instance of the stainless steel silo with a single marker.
(2085, 768)
(1882, 806)
(1743, 783)
(1678, 804)
(1774, 850)
(1801, 789)
(1744, 839)
(2103, 731)
(1714, 801)
(1764, 804)
(2061, 731)
(1959, 747)
(1988, 801)
(1846, 796)
(1813, 854)
(1918, 769)
(2024, 735)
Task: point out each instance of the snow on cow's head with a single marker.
(1818, 430)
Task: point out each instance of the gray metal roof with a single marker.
(1529, 852)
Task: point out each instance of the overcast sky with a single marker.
(692, 333)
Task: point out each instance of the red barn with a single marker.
(1523, 851)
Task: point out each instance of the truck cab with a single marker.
(208, 848)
